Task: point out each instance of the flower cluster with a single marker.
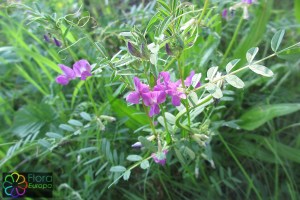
(81, 68)
(48, 37)
(243, 4)
(164, 86)
(160, 157)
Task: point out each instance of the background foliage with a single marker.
(72, 131)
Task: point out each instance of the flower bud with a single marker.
(133, 50)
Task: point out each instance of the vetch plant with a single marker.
(152, 71)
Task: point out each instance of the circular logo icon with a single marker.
(15, 185)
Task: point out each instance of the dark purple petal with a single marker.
(154, 110)
(188, 80)
(161, 97)
(147, 99)
(176, 100)
(85, 74)
(57, 42)
(168, 50)
(62, 79)
(139, 86)
(70, 74)
(47, 39)
(133, 97)
(133, 50)
(160, 157)
(224, 13)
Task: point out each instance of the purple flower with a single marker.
(224, 14)
(46, 37)
(247, 1)
(173, 89)
(57, 42)
(82, 69)
(188, 80)
(140, 88)
(68, 74)
(153, 99)
(160, 157)
(168, 50)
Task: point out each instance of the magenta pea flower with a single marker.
(160, 157)
(140, 88)
(188, 80)
(224, 13)
(153, 99)
(82, 69)
(68, 74)
(56, 42)
(247, 1)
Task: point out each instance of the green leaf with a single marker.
(290, 54)
(251, 53)
(231, 65)
(262, 70)
(75, 122)
(170, 118)
(54, 135)
(211, 72)
(214, 90)
(32, 118)
(234, 81)
(259, 115)
(118, 168)
(86, 116)
(195, 80)
(134, 158)
(145, 164)
(277, 39)
(66, 127)
(44, 143)
(147, 144)
(126, 175)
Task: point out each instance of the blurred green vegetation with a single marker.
(260, 162)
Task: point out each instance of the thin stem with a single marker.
(203, 12)
(236, 32)
(166, 124)
(186, 103)
(91, 96)
(247, 66)
(150, 120)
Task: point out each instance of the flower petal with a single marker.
(147, 99)
(154, 110)
(85, 74)
(62, 79)
(80, 66)
(176, 100)
(70, 74)
(133, 97)
(161, 97)
(188, 80)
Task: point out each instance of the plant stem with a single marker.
(236, 32)
(203, 12)
(247, 66)
(150, 120)
(186, 103)
(166, 124)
